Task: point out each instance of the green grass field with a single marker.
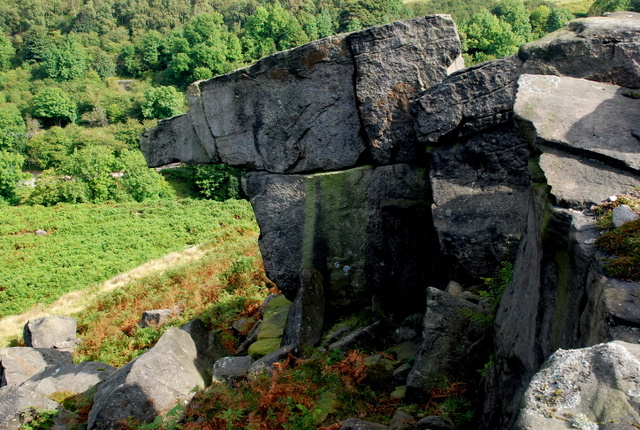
(86, 244)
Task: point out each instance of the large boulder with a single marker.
(301, 110)
(274, 319)
(604, 49)
(20, 363)
(588, 388)
(152, 384)
(469, 100)
(393, 62)
(16, 400)
(51, 332)
(174, 140)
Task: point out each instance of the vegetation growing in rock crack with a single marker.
(623, 243)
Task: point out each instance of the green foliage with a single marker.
(54, 104)
(487, 37)
(162, 102)
(495, 286)
(624, 243)
(93, 174)
(601, 6)
(35, 419)
(103, 63)
(36, 43)
(360, 13)
(272, 28)
(49, 148)
(539, 18)
(516, 15)
(7, 52)
(10, 175)
(557, 18)
(12, 128)
(65, 59)
(87, 243)
(209, 181)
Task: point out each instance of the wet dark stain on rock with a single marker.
(278, 73)
(314, 57)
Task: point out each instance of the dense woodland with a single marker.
(80, 80)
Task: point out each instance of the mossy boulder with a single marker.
(274, 318)
(263, 347)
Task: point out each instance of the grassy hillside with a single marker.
(86, 244)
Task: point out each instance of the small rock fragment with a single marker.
(623, 214)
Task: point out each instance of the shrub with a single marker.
(55, 106)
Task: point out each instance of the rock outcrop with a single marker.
(379, 167)
(588, 388)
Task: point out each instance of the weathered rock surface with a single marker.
(51, 332)
(14, 399)
(594, 387)
(231, 367)
(435, 423)
(358, 424)
(452, 341)
(612, 310)
(18, 364)
(347, 225)
(267, 362)
(174, 140)
(579, 182)
(208, 346)
(394, 62)
(470, 100)
(623, 214)
(275, 309)
(480, 192)
(306, 316)
(330, 195)
(262, 116)
(541, 309)
(402, 420)
(152, 384)
(581, 117)
(72, 378)
(604, 49)
(364, 335)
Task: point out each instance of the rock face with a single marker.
(394, 62)
(379, 169)
(452, 341)
(585, 388)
